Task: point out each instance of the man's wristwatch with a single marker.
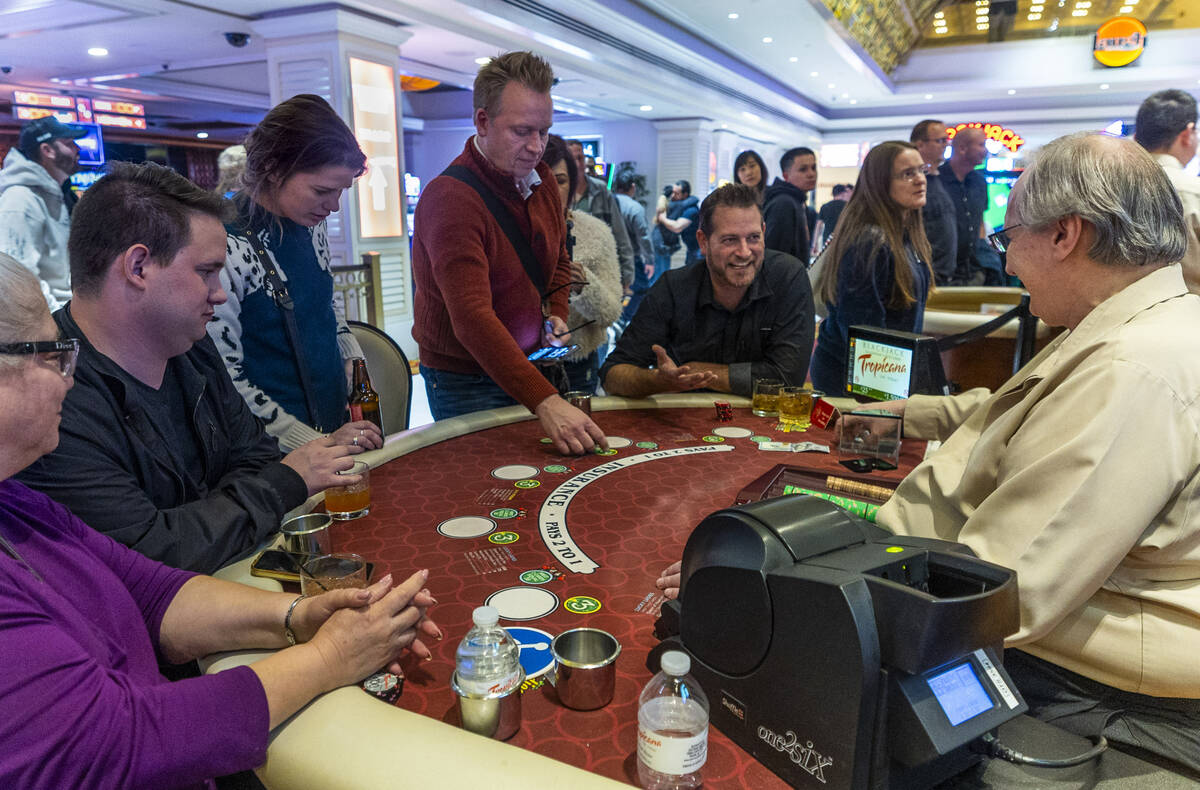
(287, 620)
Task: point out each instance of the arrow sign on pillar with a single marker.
(377, 183)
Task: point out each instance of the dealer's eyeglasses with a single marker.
(1001, 239)
(60, 354)
(912, 173)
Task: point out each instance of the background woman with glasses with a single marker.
(596, 304)
(876, 268)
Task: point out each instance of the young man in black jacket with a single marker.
(789, 219)
(156, 447)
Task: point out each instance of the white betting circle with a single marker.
(730, 432)
(523, 603)
(466, 527)
(617, 442)
(514, 472)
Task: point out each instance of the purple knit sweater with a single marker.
(82, 703)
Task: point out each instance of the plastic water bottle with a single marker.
(672, 727)
(488, 660)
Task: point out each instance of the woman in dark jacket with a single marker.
(876, 268)
(750, 169)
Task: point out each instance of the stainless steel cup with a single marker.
(308, 534)
(580, 400)
(585, 671)
(490, 715)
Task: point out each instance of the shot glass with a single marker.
(350, 501)
(766, 397)
(333, 572)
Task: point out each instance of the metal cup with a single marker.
(307, 534)
(585, 671)
(580, 400)
(490, 715)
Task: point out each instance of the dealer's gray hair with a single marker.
(24, 310)
(1115, 186)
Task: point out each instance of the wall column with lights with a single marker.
(687, 149)
(350, 59)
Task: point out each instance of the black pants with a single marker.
(1166, 728)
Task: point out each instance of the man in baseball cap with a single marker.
(35, 203)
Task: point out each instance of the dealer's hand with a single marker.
(553, 326)
(572, 431)
(679, 378)
(668, 580)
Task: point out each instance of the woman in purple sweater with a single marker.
(84, 620)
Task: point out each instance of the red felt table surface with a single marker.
(632, 522)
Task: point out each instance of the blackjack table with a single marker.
(499, 517)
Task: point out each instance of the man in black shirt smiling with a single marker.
(746, 313)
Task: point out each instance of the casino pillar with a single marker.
(350, 59)
(686, 150)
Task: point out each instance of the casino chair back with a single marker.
(391, 375)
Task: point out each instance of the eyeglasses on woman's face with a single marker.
(58, 354)
(913, 173)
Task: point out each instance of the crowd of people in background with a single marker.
(201, 367)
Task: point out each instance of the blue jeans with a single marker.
(642, 283)
(452, 394)
(584, 374)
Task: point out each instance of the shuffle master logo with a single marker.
(804, 756)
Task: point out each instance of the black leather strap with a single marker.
(506, 221)
(283, 300)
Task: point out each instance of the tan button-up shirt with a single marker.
(1188, 188)
(1082, 473)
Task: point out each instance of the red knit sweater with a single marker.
(475, 309)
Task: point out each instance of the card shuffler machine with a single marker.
(838, 654)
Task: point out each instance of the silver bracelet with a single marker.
(287, 620)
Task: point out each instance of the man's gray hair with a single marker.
(24, 310)
(1115, 186)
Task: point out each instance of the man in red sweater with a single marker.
(478, 311)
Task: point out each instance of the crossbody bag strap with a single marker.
(506, 221)
(283, 300)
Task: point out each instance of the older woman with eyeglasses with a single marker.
(84, 621)
(876, 267)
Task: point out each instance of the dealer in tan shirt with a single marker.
(1082, 472)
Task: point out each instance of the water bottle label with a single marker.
(672, 754)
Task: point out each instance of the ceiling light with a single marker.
(1083, 3)
(832, 85)
(1104, 86)
(940, 15)
(854, 101)
(984, 26)
(1036, 9)
(814, 74)
(1125, 9)
(845, 95)
(767, 39)
(941, 31)
(98, 52)
(1034, 17)
(202, 135)
(793, 59)
(733, 16)
(482, 61)
(928, 95)
(646, 107)
(1079, 12)
(751, 116)
(1011, 91)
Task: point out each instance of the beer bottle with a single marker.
(364, 401)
